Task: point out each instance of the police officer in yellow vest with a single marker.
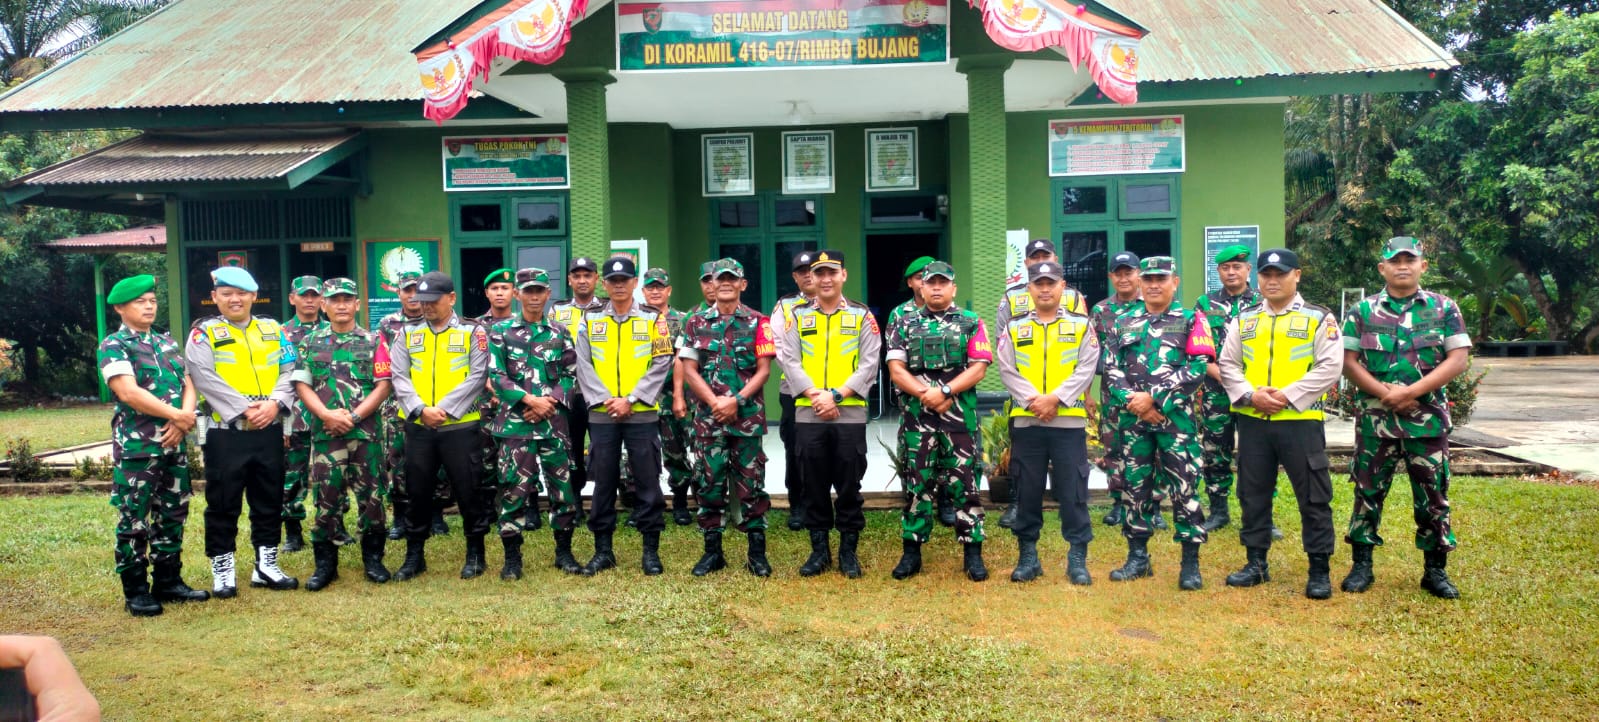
(241, 364)
(1278, 359)
(438, 369)
(830, 351)
(1047, 360)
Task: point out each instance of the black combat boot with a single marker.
(603, 558)
(910, 560)
(1318, 585)
(372, 557)
(1434, 579)
(681, 516)
(293, 540)
(168, 583)
(327, 566)
(564, 560)
(511, 569)
(397, 529)
(1027, 566)
(415, 560)
(440, 526)
(848, 563)
(821, 555)
(1219, 518)
(796, 515)
(136, 590)
(757, 564)
(476, 559)
(1360, 574)
(650, 562)
(1188, 578)
(712, 560)
(1255, 571)
(1117, 515)
(946, 508)
(1137, 564)
(1077, 565)
(1008, 519)
(972, 563)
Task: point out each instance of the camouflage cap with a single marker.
(408, 279)
(707, 270)
(1402, 244)
(532, 277)
(1235, 252)
(656, 275)
(729, 266)
(1157, 266)
(499, 275)
(306, 284)
(338, 287)
(917, 265)
(130, 288)
(938, 268)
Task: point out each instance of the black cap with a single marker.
(433, 286)
(582, 263)
(828, 258)
(1125, 259)
(1281, 259)
(1043, 269)
(620, 266)
(1039, 245)
(803, 260)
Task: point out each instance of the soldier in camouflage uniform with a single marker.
(726, 361)
(1125, 298)
(1401, 347)
(677, 426)
(1218, 435)
(782, 313)
(936, 356)
(500, 289)
(582, 275)
(532, 369)
(306, 297)
(154, 411)
(1155, 359)
(913, 281)
(342, 379)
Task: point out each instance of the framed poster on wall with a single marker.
(807, 162)
(1117, 146)
(1219, 237)
(385, 261)
(505, 163)
(891, 159)
(727, 163)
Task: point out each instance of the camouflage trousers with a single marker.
(932, 461)
(1427, 461)
(346, 465)
(1218, 438)
(731, 466)
(296, 472)
(151, 496)
(1157, 462)
(522, 462)
(1110, 438)
(676, 435)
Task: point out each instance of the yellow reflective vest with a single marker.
(621, 351)
(1017, 302)
(247, 360)
(1047, 355)
(1279, 350)
(830, 346)
(440, 361)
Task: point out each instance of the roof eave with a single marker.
(1421, 80)
(353, 113)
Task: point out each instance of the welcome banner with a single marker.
(1107, 45)
(532, 30)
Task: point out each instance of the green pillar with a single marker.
(99, 316)
(588, 133)
(986, 200)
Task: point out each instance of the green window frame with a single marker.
(940, 202)
(1116, 221)
(768, 235)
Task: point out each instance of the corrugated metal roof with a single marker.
(1225, 39)
(190, 158)
(144, 239)
(242, 52)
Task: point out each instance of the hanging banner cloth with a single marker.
(532, 30)
(1087, 33)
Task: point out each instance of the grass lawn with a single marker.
(1522, 643)
(55, 427)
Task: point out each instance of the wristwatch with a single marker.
(838, 398)
(1248, 399)
(944, 389)
(740, 397)
(632, 399)
(355, 418)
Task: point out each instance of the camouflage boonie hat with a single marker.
(938, 268)
(730, 265)
(707, 270)
(528, 277)
(657, 275)
(1402, 244)
(408, 279)
(1157, 266)
(306, 284)
(338, 287)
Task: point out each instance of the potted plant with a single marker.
(995, 432)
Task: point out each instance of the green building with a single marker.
(288, 136)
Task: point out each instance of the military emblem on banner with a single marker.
(652, 19)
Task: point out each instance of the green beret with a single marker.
(130, 288)
(917, 266)
(499, 275)
(1235, 252)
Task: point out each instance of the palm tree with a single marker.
(34, 34)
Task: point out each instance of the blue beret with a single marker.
(235, 277)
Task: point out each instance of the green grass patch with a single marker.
(53, 427)
(1520, 644)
